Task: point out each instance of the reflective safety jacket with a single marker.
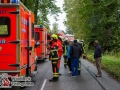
(64, 50)
(60, 49)
(54, 51)
(59, 46)
(83, 46)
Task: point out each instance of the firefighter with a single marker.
(54, 57)
(48, 45)
(60, 49)
(65, 51)
(79, 64)
(83, 46)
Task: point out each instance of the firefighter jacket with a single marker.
(83, 46)
(54, 51)
(65, 48)
(60, 49)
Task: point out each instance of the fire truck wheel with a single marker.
(35, 68)
(22, 87)
(43, 59)
(38, 61)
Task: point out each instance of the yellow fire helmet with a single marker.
(54, 36)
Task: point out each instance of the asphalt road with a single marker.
(85, 81)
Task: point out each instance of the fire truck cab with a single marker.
(17, 51)
(41, 37)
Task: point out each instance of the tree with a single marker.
(55, 28)
(94, 19)
(41, 9)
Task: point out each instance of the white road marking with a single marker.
(43, 85)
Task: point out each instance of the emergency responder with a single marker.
(48, 44)
(83, 46)
(82, 50)
(60, 49)
(65, 51)
(54, 57)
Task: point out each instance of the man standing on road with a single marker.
(75, 52)
(98, 57)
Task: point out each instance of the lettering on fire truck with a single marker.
(2, 11)
(24, 22)
(2, 41)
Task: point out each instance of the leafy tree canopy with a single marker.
(41, 9)
(95, 19)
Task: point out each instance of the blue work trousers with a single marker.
(74, 65)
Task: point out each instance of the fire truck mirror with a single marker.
(37, 44)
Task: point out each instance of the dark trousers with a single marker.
(69, 64)
(79, 67)
(55, 69)
(65, 61)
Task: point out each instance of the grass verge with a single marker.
(111, 64)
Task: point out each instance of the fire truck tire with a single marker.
(35, 68)
(13, 88)
(38, 61)
(28, 71)
(43, 59)
(22, 87)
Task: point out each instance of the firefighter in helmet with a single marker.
(79, 64)
(83, 45)
(65, 44)
(60, 50)
(54, 57)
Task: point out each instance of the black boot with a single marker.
(54, 79)
(65, 66)
(79, 72)
(59, 74)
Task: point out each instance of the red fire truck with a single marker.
(41, 37)
(17, 52)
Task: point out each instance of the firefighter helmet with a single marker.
(78, 40)
(54, 36)
(66, 39)
(61, 37)
(82, 40)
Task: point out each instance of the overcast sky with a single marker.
(61, 17)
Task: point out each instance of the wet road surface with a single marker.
(85, 81)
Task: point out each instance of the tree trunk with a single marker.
(107, 34)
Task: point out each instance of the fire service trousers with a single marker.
(65, 61)
(55, 69)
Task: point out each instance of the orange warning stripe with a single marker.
(5, 1)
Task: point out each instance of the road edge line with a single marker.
(43, 85)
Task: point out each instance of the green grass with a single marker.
(111, 64)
